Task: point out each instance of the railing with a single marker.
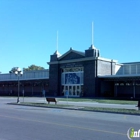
(27, 75)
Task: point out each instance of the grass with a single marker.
(44, 105)
(107, 101)
(99, 101)
(76, 99)
(99, 109)
(114, 110)
(117, 102)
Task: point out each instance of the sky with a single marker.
(28, 30)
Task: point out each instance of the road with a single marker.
(34, 123)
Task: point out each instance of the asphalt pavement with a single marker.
(35, 123)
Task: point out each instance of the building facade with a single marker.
(86, 74)
(78, 74)
(32, 83)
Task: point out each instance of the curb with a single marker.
(78, 109)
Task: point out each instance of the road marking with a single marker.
(65, 125)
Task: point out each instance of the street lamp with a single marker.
(17, 71)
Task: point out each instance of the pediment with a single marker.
(72, 54)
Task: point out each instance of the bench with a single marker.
(51, 100)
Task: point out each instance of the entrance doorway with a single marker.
(73, 90)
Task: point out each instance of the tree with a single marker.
(33, 67)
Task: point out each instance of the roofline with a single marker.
(72, 60)
(131, 63)
(106, 59)
(82, 59)
(118, 76)
(71, 50)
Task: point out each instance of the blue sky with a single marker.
(28, 30)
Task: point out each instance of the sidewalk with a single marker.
(96, 104)
(82, 106)
(75, 104)
(93, 104)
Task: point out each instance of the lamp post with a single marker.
(17, 71)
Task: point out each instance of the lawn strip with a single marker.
(107, 101)
(99, 109)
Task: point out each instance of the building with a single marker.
(32, 83)
(78, 74)
(89, 75)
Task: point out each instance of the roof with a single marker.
(71, 50)
(119, 76)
